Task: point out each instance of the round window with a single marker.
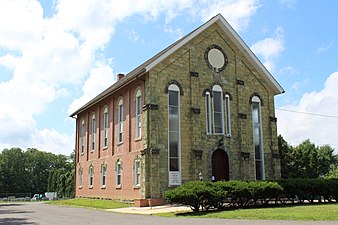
(216, 58)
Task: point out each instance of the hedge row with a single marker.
(205, 195)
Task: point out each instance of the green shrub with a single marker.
(196, 194)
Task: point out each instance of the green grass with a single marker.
(303, 212)
(90, 203)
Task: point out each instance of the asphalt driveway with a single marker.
(44, 214)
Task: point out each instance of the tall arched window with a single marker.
(257, 138)
(103, 175)
(217, 94)
(118, 173)
(138, 115)
(208, 112)
(82, 136)
(105, 127)
(80, 177)
(174, 134)
(91, 176)
(120, 121)
(227, 113)
(93, 131)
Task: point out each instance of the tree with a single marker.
(305, 160)
(13, 171)
(286, 160)
(325, 159)
(30, 171)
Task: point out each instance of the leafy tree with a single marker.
(286, 160)
(13, 171)
(305, 160)
(325, 159)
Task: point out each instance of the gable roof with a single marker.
(159, 57)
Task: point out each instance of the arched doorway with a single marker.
(220, 165)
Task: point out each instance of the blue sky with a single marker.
(57, 55)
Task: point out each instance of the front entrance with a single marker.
(220, 165)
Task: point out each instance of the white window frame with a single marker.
(105, 127)
(103, 175)
(82, 135)
(257, 102)
(217, 88)
(91, 177)
(118, 174)
(208, 112)
(174, 175)
(93, 131)
(137, 172)
(120, 122)
(138, 116)
(227, 114)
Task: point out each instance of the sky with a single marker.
(55, 55)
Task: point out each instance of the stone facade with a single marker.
(187, 68)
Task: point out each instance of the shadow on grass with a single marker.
(229, 209)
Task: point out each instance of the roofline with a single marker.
(219, 19)
(110, 90)
(159, 57)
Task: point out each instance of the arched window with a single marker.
(208, 112)
(105, 127)
(174, 134)
(103, 175)
(138, 125)
(218, 114)
(120, 121)
(257, 138)
(137, 172)
(118, 173)
(93, 131)
(80, 177)
(227, 113)
(91, 176)
(82, 136)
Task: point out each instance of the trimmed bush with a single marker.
(196, 194)
(206, 195)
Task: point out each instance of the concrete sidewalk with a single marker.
(151, 210)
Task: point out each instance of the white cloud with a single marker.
(236, 12)
(297, 127)
(9, 61)
(326, 47)
(289, 3)
(50, 55)
(99, 79)
(20, 23)
(270, 48)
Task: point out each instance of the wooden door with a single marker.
(220, 165)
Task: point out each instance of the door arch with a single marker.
(220, 165)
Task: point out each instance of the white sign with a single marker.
(174, 178)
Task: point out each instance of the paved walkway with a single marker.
(151, 210)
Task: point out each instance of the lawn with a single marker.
(301, 212)
(90, 203)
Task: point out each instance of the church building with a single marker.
(201, 109)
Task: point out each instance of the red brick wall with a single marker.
(126, 152)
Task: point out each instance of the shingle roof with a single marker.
(159, 57)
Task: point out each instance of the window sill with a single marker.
(105, 148)
(80, 187)
(118, 187)
(136, 186)
(228, 135)
(138, 139)
(82, 153)
(103, 187)
(91, 151)
(120, 143)
(91, 187)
